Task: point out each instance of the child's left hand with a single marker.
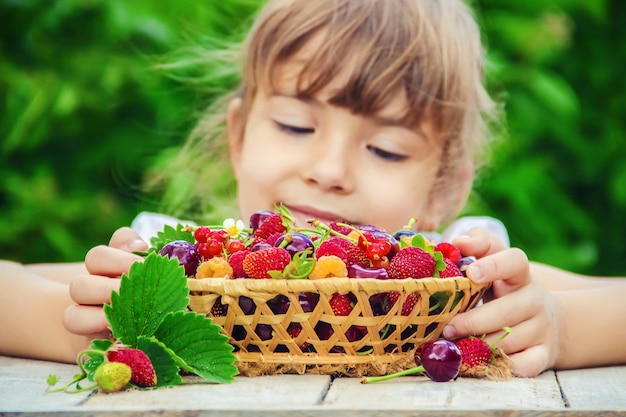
(518, 301)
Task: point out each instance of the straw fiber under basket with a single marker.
(369, 341)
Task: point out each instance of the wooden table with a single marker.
(588, 392)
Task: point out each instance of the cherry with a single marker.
(439, 359)
(257, 218)
(201, 234)
(185, 252)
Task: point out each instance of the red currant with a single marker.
(201, 234)
(235, 245)
(210, 249)
(219, 235)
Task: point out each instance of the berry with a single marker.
(344, 230)
(328, 266)
(236, 263)
(235, 245)
(294, 331)
(258, 217)
(332, 247)
(407, 306)
(464, 262)
(201, 234)
(341, 304)
(439, 359)
(143, 374)
(412, 262)
(185, 252)
(258, 264)
(451, 269)
(270, 225)
(475, 351)
(449, 251)
(216, 267)
(219, 309)
(355, 255)
(209, 249)
(112, 376)
(294, 243)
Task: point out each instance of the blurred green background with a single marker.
(84, 114)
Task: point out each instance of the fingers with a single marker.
(127, 240)
(86, 321)
(109, 261)
(479, 242)
(492, 317)
(93, 289)
(510, 266)
(531, 362)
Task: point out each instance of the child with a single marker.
(365, 111)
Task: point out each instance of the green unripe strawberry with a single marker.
(112, 376)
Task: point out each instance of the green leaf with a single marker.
(169, 234)
(199, 346)
(165, 367)
(151, 290)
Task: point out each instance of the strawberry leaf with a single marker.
(95, 356)
(165, 367)
(198, 345)
(151, 289)
(169, 234)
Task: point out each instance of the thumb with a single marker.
(127, 240)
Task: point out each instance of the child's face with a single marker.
(322, 161)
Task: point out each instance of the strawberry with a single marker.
(112, 376)
(451, 269)
(258, 264)
(411, 262)
(143, 374)
(474, 351)
(409, 303)
(271, 225)
(344, 230)
(449, 251)
(236, 262)
(341, 304)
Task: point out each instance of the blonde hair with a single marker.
(430, 50)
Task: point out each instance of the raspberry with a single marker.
(332, 247)
(449, 251)
(355, 254)
(329, 266)
(216, 267)
(271, 225)
(236, 262)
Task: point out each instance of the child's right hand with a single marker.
(105, 265)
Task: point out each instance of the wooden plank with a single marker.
(277, 392)
(595, 388)
(419, 393)
(23, 385)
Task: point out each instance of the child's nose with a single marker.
(328, 167)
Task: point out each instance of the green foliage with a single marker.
(84, 115)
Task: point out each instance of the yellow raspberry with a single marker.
(216, 267)
(329, 266)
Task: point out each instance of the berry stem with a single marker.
(507, 331)
(372, 379)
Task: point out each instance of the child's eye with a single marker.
(294, 130)
(389, 156)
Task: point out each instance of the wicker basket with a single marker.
(384, 342)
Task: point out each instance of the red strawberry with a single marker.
(451, 269)
(409, 303)
(341, 304)
(344, 230)
(449, 251)
(355, 254)
(271, 225)
(411, 262)
(143, 373)
(258, 264)
(219, 309)
(474, 351)
(236, 262)
(332, 247)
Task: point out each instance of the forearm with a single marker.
(592, 327)
(552, 278)
(62, 273)
(31, 311)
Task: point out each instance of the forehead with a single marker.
(301, 76)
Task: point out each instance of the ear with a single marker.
(235, 130)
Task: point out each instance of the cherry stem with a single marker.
(507, 331)
(372, 379)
